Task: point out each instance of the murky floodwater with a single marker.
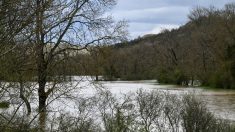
(220, 102)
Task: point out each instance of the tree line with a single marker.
(203, 49)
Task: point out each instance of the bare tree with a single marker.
(150, 107)
(52, 30)
(77, 23)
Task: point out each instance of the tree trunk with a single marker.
(42, 121)
(28, 106)
(41, 63)
(42, 74)
(192, 81)
(204, 61)
(42, 79)
(96, 77)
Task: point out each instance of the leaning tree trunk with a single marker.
(26, 101)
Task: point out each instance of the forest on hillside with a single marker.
(203, 49)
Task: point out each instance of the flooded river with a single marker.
(220, 102)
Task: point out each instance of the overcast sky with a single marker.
(151, 16)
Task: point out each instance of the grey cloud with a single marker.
(165, 15)
(142, 27)
(150, 16)
(142, 4)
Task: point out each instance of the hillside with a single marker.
(202, 49)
